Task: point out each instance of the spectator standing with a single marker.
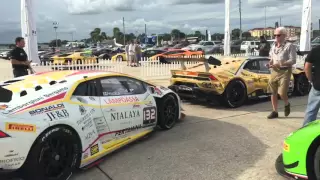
(132, 53)
(312, 70)
(264, 47)
(138, 52)
(126, 49)
(19, 59)
(282, 57)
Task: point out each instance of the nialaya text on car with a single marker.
(46, 109)
(124, 115)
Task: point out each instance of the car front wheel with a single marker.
(168, 112)
(55, 155)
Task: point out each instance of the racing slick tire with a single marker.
(55, 155)
(301, 85)
(313, 160)
(235, 94)
(168, 112)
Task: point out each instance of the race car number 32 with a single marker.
(149, 115)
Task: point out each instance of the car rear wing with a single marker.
(203, 59)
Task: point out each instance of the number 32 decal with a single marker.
(149, 115)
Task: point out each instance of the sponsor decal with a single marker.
(3, 107)
(120, 100)
(157, 91)
(58, 115)
(127, 130)
(20, 127)
(56, 92)
(149, 115)
(90, 135)
(149, 103)
(164, 88)
(25, 104)
(85, 155)
(136, 106)
(101, 125)
(87, 124)
(10, 155)
(94, 149)
(124, 115)
(82, 110)
(46, 109)
(7, 163)
(111, 93)
(85, 117)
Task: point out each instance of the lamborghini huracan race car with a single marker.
(300, 158)
(54, 122)
(231, 81)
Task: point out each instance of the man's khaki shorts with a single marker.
(279, 81)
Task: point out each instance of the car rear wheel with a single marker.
(55, 155)
(168, 112)
(302, 85)
(235, 94)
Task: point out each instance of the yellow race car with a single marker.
(74, 58)
(231, 81)
(119, 57)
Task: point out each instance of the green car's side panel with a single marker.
(296, 147)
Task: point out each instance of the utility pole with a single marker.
(124, 32)
(55, 26)
(265, 17)
(280, 22)
(145, 32)
(240, 20)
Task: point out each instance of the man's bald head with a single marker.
(280, 34)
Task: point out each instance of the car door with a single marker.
(85, 102)
(263, 74)
(250, 73)
(127, 106)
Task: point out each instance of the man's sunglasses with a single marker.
(277, 35)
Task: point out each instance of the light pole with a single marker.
(55, 26)
(240, 20)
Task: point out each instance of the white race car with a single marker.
(55, 122)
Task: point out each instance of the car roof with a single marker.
(44, 79)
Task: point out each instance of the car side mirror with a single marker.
(151, 89)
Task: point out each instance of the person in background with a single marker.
(312, 70)
(132, 53)
(126, 49)
(19, 59)
(138, 52)
(282, 56)
(264, 47)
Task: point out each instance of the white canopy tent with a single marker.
(305, 38)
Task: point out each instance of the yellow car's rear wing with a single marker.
(205, 61)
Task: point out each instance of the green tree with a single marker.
(235, 33)
(53, 43)
(175, 33)
(246, 34)
(217, 37)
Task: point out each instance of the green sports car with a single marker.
(300, 158)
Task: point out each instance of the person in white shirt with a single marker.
(127, 53)
(132, 53)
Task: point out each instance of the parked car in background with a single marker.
(204, 46)
(150, 53)
(45, 58)
(5, 55)
(234, 47)
(249, 45)
(174, 54)
(74, 58)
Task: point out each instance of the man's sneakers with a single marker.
(274, 114)
(287, 110)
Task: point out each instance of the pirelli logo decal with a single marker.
(94, 149)
(15, 127)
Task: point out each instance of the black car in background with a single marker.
(150, 53)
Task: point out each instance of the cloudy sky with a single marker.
(81, 16)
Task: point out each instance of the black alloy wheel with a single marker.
(55, 155)
(235, 94)
(302, 85)
(168, 112)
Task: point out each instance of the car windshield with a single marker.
(244, 43)
(201, 43)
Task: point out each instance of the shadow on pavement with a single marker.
(201, 149)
